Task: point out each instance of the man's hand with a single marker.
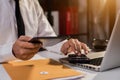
(73, 45)
(22, 49)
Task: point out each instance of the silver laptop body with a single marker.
(111, 55)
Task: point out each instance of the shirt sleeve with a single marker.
(57, 47)
(6, 53)
(44, 27)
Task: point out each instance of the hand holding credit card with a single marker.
(38, 40)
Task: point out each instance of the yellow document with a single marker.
(43, 69)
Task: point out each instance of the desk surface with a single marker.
(89, 75)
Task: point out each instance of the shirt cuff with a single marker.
(6, 53)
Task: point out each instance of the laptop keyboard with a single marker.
(96, 61)
(82, 60)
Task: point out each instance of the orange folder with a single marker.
(43, 69)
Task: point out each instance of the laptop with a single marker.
(102, 61)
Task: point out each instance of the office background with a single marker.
(90, 18)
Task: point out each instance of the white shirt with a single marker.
(35, 22)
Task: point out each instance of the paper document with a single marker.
(42, 69)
